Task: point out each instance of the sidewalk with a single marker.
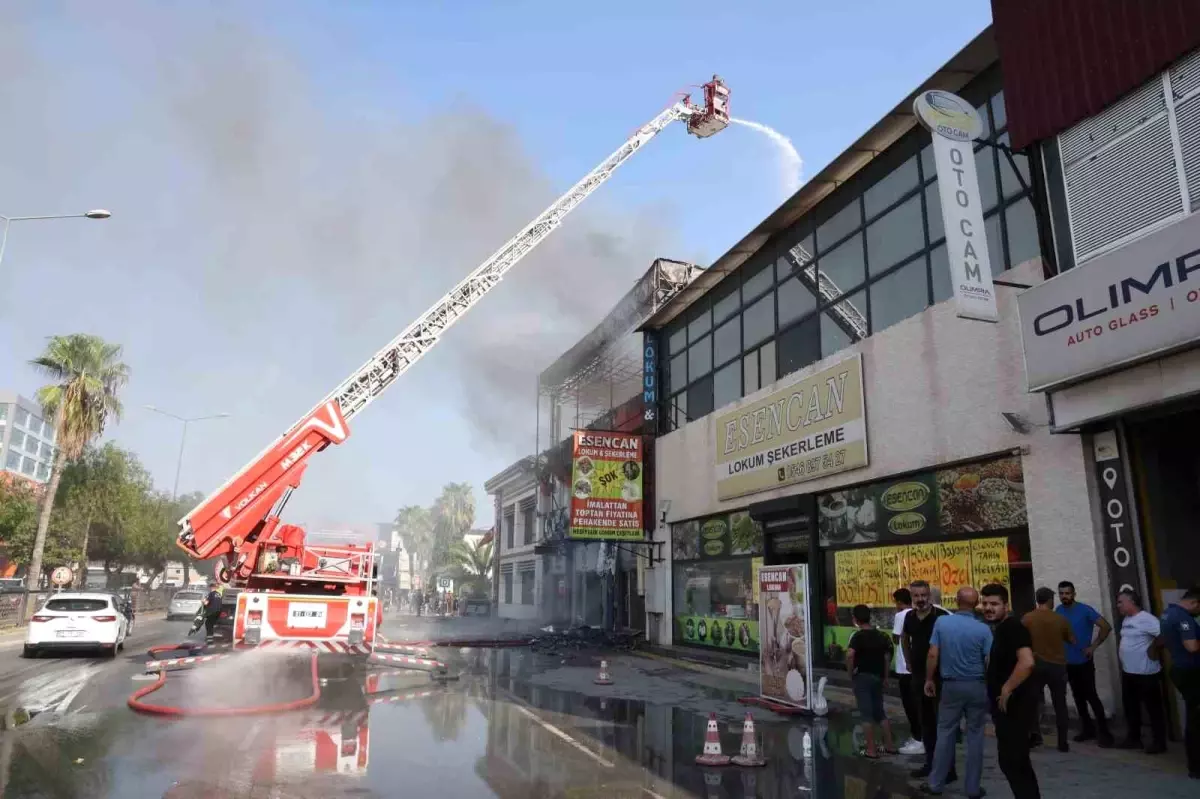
(1085, 771)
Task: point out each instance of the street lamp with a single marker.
(183, 439)
(97, 213)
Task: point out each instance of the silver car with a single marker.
(185, 604)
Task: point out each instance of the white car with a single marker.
(185, 604)
(77, 621)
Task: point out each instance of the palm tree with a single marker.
(474, 563)
(453, 515)
(415, 527)
(87, 372)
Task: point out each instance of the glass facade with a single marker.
(30, 448)
(715, 579)
(868, 256)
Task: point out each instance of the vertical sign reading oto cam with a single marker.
(955, 124)
(606, 486)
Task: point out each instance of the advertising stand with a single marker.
(785, 651)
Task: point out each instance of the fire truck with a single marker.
(295, 593)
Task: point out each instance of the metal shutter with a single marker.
(1120, 171)
(1185, 86)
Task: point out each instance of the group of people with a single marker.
(952, 666)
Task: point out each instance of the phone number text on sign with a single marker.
(306, 615)
(812, 466)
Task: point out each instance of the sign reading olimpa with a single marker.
(955, 124)
(814, 427)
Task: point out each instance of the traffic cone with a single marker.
(749, 755)
(603, 678)
(712, 755)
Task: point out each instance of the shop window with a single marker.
(678, 371)
(1021, 223)
(507, 577)
(700, 358)
(939, 265)
(795, 300)
(839, 226)
(841, 324)
(727, 341)
(715, 566)
(757, 281)
(985, 165)
(844, 266)
(727, 385)
(800, 345)
(964, 525)
(677, 340)
(758, 321)
(895, 236)
(527, 583)
(701, 323)
(700, 398)
(725, 301)
(887, 191)
(901, 294)
(933, 213)
(797, 257)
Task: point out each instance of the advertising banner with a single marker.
(955, 125)
(972, 498)
(812, 428)
(1129, 305)
(716, 537)
(739, 635)
(606, 486)
(785, 656)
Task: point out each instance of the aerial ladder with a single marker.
(296, 593)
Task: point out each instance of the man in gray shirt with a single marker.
(958, 650)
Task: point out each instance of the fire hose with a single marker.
(135, 701)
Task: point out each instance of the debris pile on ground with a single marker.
(557, 641)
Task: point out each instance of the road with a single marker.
(514, 724)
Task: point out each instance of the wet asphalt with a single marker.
(514, 724)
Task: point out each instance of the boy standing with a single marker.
(868, 661)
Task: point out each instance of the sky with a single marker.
(293, 183)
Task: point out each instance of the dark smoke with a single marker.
(291, 236)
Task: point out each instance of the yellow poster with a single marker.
(870, 578)
(894, 570)
(756, 565)
(989, 562)
(846, 566)
(954, 567)
(923, 564)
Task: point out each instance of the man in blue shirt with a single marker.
(958, 650)
(1181, 634)
(1081, 668)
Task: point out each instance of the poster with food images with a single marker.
(606, 486)
(981, 497)
(785, 654)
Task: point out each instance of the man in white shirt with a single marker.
(1140, 651)
(913, 746)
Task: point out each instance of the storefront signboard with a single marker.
(868, 576)
(955, 125)
(739, 635)
(814, 427)
(1124, 567)
(973, 498)
(725, 536)
(606, 486)
(650, 382)
(1132, 304)
(785, 656)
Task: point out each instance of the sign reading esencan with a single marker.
(606, 486)
(813, 427)
(1134, 303)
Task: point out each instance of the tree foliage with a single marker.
(472, 566)
(453, 514)
(433, 536)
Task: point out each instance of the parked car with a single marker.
(185, 604)
(12, 585)
(475, 606)
(77, 620)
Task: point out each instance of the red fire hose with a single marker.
(136, 703)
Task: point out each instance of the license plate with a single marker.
(306, 615)
(69, 633)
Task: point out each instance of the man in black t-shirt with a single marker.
(1013, 703)
(869, 660)
(918, 628)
